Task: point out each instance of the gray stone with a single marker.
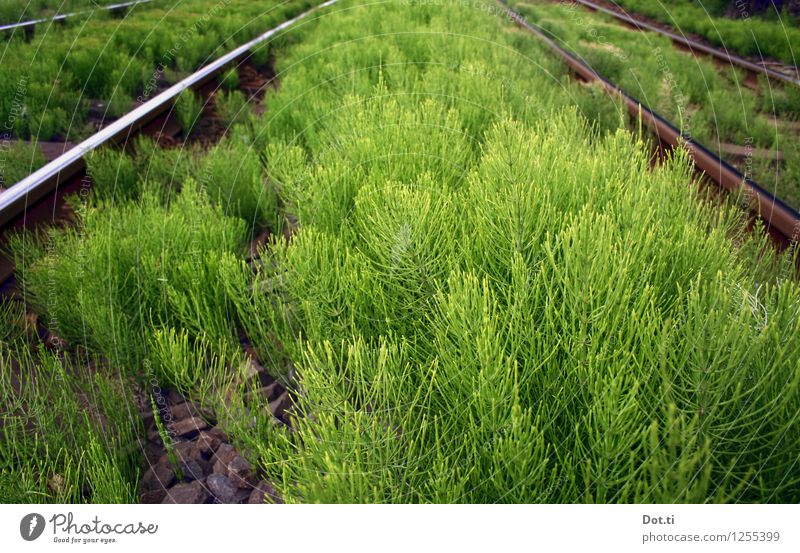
(187, 450)
(182, 411)
(152, 496)
(192, 493)
(152, 452)
(173, 397)
(272, 391)
(209, 440)
(192, 470)
(241, 472)
(154, 437)
(188, 428)
(223, 456)
(223, 489)
(158, 476)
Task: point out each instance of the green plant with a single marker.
(114, 176)
(12, 11)
(159, 273)
(166, 439)
(12, 321)
(260, 56)
(756, 36)
(69, 435)
(188, 109)
(231, 107)
(478, 296)
(233, 176)
(119, 105)
(164, 169)
(230, 79)
(199, 367)
(554, 321)
(17, 161)
(712, 106)
(45, 92)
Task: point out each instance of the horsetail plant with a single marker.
(479, 295)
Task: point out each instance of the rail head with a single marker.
(15, 200)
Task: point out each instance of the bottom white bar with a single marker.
(406, 528)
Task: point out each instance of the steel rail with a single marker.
(63, 16)
(776, 214)
(694, 45)
(17, 199)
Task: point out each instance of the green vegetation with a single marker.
(188, 108)
(487, 296)
(231, 106)
(69, 433)
(12, 321)
(234, 178)
(166, 439)
(527, 318)
(47, 84)
(18, 160)
(230, 79)
(748, 36)
(712, 106)
(160, 273)
(14, 11)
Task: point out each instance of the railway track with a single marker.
(29, 26)
(781, 220)
(39, 198)
(696, 47)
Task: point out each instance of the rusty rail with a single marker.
(777, 215)
(695, 46)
